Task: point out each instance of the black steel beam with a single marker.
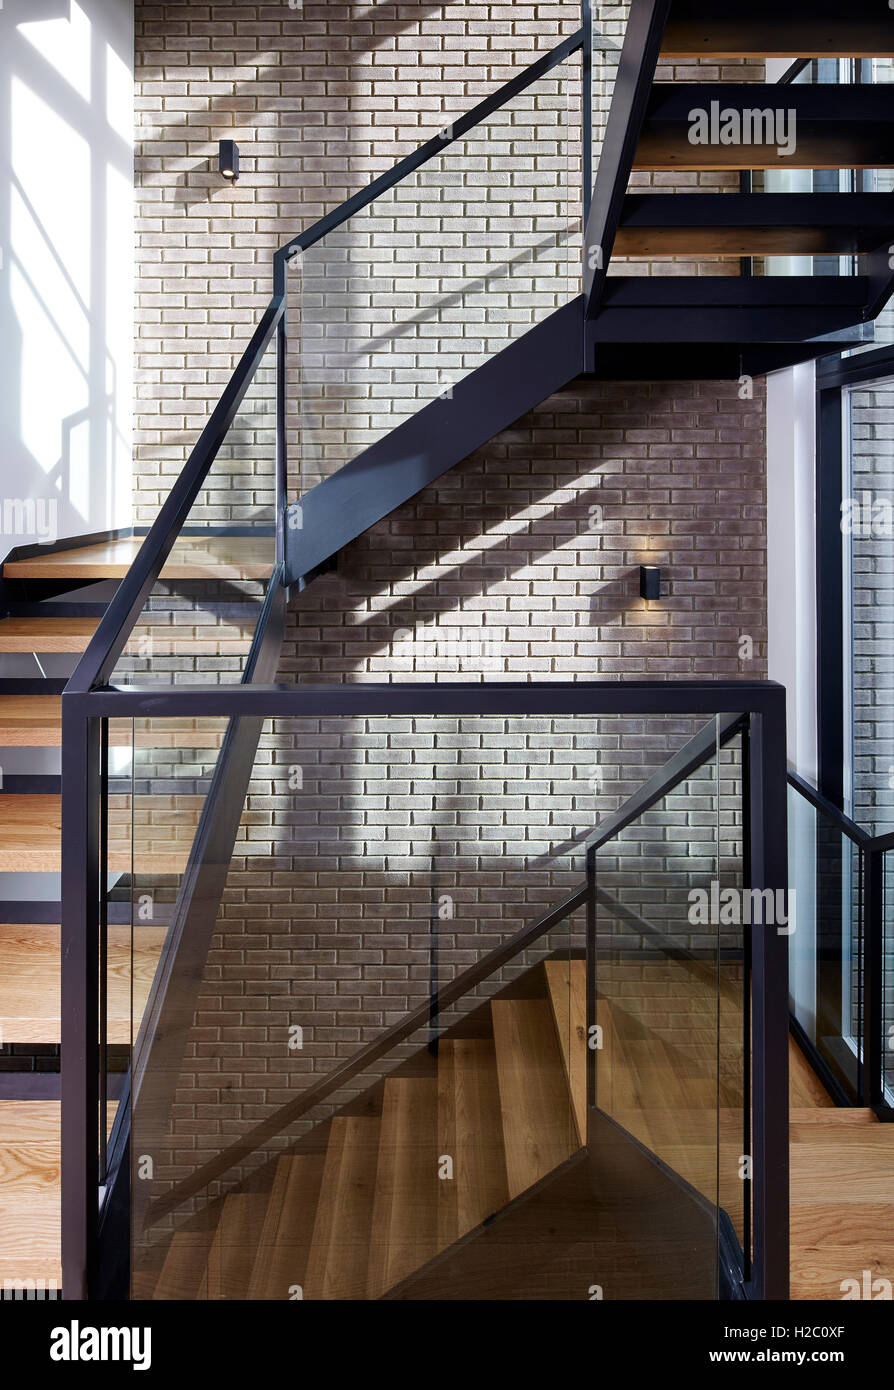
(768, 854)
(80, 1000)
(455, 698)
(110, 637)
(729, 309)
(444, 432)
(636, 70)
(847, 222)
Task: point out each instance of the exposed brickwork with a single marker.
(521, 563)
(321, 99)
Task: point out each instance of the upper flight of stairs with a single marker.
(671, 326)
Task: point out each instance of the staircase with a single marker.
(427, 1158)
(482, 1139)
(660, 325)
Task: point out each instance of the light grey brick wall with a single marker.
(321, 99)
(328, 912)
(521, 563)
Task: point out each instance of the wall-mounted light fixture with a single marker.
(228, 159)
(649, 581)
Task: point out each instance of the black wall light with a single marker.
(649, 581)
(228, 159)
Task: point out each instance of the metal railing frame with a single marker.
(88, 703)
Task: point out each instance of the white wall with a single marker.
(791, 554)
(66, 287)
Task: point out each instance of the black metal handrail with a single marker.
(116, 625)
(848, 827)
(636, 70)
(455, 130)
(870, 1071)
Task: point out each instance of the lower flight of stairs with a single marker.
(484, 1124)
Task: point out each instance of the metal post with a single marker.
(587, 107)
(871, 1067)
(280, 287)
(592, 1080)
(80, 997)
(769, 870)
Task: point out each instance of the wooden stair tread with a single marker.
(192, 557)
(30, 832)
(566, 983)
(163, 831)
(404, 1222)
(31, 721)
(183, 1274)
(338, 1263)
(281, 1252)
(229, 1258)
(470, 1132)
(538, 1125)
(35, 721)
(39, 634)
(31, 972)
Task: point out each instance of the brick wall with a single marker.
(353, 828)
(322, 98)
(521, 563)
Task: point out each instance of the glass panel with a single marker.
(868, 527)
(122, 978)
(377, 859)
(824, 952)
(665, 958)
(200, 619)
(888, 977)
(437, 275)
(170, 776)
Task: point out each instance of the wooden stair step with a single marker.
(191, 557)
(566, 982)
(836, 127)
(470, 1132)
(30, 721)
(753, 224)
(31, 833)
(767, 29)
(163, 830)
(405, 1212)
(281, 1252)
(233, 1245)
(39, 634)
(183, 1274)
(31, 972)
(35, 721)
(538, 1125)
(338, 1264)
